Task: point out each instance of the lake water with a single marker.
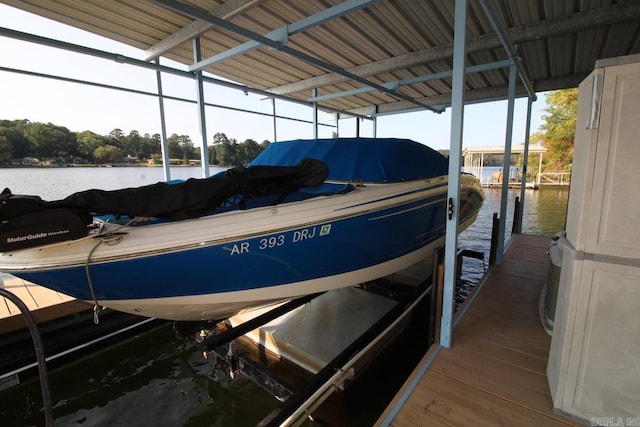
(161, 380)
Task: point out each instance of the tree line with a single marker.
(21, 139)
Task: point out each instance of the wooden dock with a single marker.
(495, 371)
(43, 303)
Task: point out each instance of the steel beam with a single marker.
(202, 120)
(506, 166)
(394, 85)
(226, 10)
(282, 34)
(505, 39)
(163, 127)
(595, 18)
(455, 154)
(525, 160)
(197, 14)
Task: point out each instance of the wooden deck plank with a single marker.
(495, 371)
(32, 295)
(44, 304)
(439, 397)
(17, 287)
(43, 297)
(502, 353)
(512, 383)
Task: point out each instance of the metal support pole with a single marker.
(164, 149)
(506, 167)
(275, 129)
(453, 192)
(204, 151)
(375, 122)
(539, 170)
(314, 93)
(525, 161)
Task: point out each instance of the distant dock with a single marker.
(474, 163)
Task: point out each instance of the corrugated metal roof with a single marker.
(382, 43)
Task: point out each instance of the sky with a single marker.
(80, 107)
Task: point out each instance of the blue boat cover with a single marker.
(360, 159)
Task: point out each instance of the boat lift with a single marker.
(293, 351)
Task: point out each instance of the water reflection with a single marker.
(155, 379)
(544, 213)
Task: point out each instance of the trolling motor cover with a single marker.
(25, 223)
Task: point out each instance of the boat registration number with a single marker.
(277, 240)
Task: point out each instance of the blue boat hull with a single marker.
(305, 253)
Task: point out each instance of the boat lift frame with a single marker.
(457, 119)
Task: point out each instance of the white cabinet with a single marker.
(594, 361)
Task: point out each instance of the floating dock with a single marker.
(66, 327)
(44, 304)
(495, 371)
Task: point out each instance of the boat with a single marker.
(305, 216)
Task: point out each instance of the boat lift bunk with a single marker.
(304, 350)
(309, 349)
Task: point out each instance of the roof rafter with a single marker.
(282, 34)
(195, 13)
(493, 93)
(580, 21)
(226, 10)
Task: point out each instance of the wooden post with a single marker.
(494, 239)
(515, 229)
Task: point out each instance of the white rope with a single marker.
(111, 238)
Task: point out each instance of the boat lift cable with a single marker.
(110, 239)
(39, 348)
(235, 332)
(296, 406)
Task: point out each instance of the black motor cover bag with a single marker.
(196, 197)
(14, 205)
(41, 228)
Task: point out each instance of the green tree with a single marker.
(186, 146)
(132, 143)
(5, 150)
(248, 151)
(558, 129)
(13, 130)
(150, 145)
(88, 142)
(220, 138)
(49, 140)
(116, 137)
(173, 144)
(213, 157)
(108, 154)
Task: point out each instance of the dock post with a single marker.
(516, 228)
(494, 239)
